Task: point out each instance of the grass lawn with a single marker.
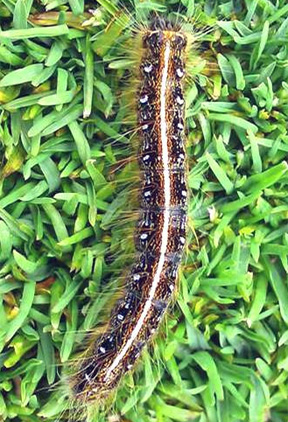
(66, 226)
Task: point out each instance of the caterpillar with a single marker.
(161, 230)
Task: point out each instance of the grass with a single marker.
(224, 354)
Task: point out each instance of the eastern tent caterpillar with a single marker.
(161, 231)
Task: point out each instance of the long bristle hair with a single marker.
(131, 52)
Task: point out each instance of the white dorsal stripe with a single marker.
(164, 234)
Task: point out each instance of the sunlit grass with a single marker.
(66, 211)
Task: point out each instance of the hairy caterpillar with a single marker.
(161, 230)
